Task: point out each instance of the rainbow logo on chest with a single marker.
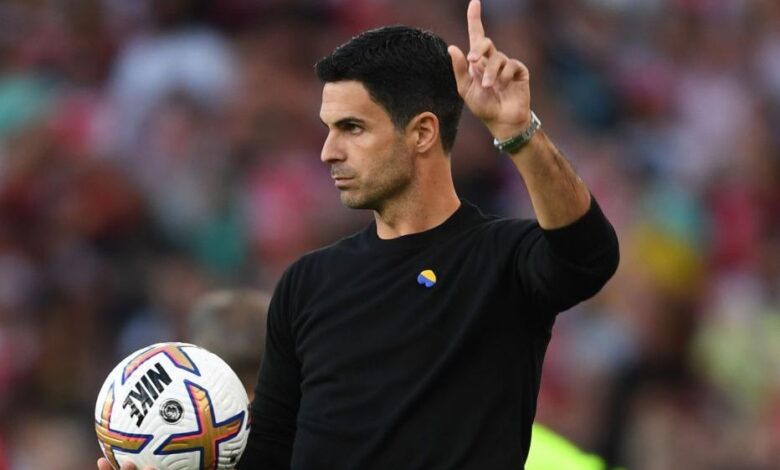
(427, 278)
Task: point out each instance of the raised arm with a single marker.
(496, 90)
(577, 250)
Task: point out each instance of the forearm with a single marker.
(558, 195)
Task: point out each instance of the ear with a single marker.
(423, 131)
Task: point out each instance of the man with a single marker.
(418, 342)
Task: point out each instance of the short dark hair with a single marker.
(405, 70)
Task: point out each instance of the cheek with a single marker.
(395, 162)
(360, 150)
(370, 154)
(379, 157)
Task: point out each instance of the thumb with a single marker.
(461, 69)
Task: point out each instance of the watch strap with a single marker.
(514, 144)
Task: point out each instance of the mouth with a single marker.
(341, 181)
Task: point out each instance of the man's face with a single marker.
(369, 159)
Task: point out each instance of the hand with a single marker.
(494, 87)
(103, 464)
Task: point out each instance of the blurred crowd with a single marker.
(155, 151)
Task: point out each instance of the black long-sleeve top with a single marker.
(370, 365)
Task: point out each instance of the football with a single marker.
(173, 406)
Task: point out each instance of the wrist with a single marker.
(507, 131)
(511, 139)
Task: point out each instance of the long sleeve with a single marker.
(277, 393)
(562, 267)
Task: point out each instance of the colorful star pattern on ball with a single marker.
(174, 352)
(209, 434)
(111, 440)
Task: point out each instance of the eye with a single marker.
(351, 128)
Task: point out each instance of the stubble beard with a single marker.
(391, 180)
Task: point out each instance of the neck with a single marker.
(428, 202)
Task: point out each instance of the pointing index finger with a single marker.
(474, 17)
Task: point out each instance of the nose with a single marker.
(331, 151)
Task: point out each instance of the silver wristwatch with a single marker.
(513, 144)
